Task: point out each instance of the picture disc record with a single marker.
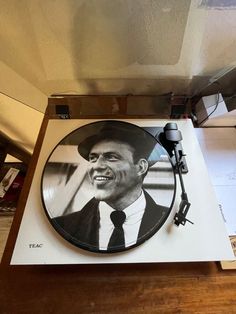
(104, 174)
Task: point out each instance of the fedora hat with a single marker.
(140, 140)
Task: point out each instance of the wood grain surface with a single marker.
(133, 288)
(152, 288)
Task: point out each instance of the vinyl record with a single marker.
(108, 186)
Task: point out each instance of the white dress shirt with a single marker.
(134, 214)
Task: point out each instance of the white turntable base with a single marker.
(206, 240)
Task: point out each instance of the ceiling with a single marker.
(90, 47)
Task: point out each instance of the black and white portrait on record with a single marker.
(108, 186)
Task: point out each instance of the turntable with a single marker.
(76, 188)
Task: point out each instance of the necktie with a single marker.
(117, 238)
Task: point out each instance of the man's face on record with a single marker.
(112, 171)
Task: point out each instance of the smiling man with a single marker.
(116, 178)
(121, 214)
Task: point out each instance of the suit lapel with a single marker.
(152, 215)
(88, 231)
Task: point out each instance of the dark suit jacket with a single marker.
(82, 228)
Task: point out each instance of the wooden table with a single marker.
(134, 288)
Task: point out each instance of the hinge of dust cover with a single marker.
(63, 111)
